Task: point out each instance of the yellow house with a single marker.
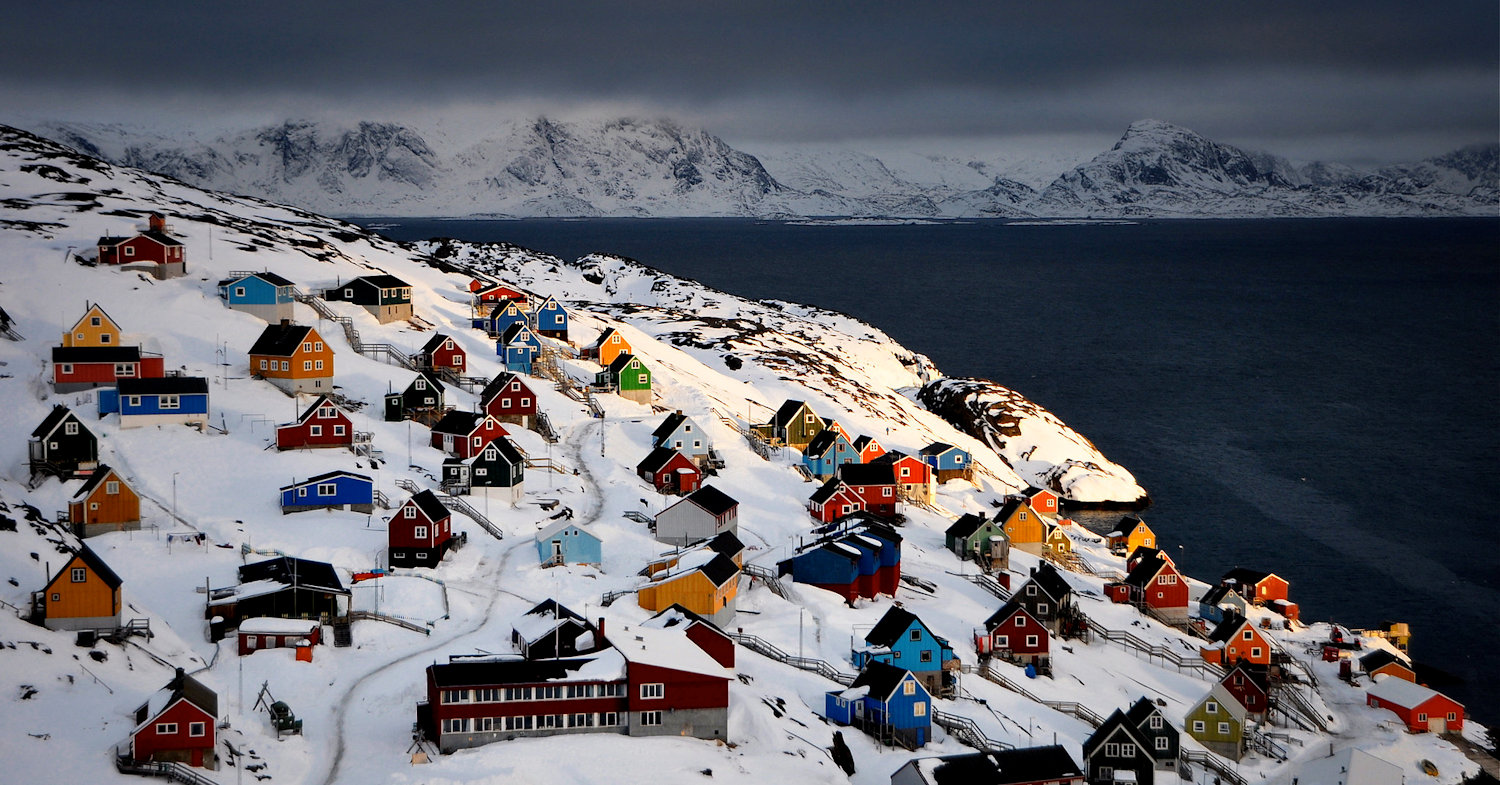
(84, 594)
(704, 582)
(1058, 543)
(1131, 533)
(104, 504)
(1026, 529)
(94, 329)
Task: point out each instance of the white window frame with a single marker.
(653, 691)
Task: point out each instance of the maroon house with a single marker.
(420, 532)
(670, 471)
(177, 724)
(1251, 686)
(260, 633)
(873, 483)
(509, 400)
(464, 434)
(707, 635)
(152, 249)
(834, 500)
(323, 424)
(442, 353)
(1014, 635)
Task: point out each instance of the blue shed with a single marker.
(551, 319)
(332, 491)
(264, 294)
(827, 565)
(947, 462)
(566, 542)
(141, 402)
(886, 702)
(827, 452)
(503, 315)
(903, 640)
(519, 346)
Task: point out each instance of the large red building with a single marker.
(1421, 708)
(76, 368)
(323, 424)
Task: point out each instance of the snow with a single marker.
(358, 703)
(1400, 691)
(664, 648)
(271, 626)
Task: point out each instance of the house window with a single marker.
(71, 429)
(649, 718)
(1211, 707)
(458, 360)
(124, 369)
(79, 575)
(338, 430)
(315, 430)
(262, 365)
(1127, 750)
(66, 369)
(1255, 651)
(168, 402)
(318, 364)
(1020, 621)
(197, 728)
(909, 688)
(307, 365)
(1106, 774)
(1248, 635)
(420, 532)
(317, 346)
(1166, 580)
(481, 471)
(1421, 718)
(409, 512)
(327, 489)
(307, 346)
(926, 656)
(960, 459)
(807, 418)
(1155, 722)
(94, 321)
(1041, 608)
(239, 291)
(1002, 641)
(1112, 750)
(286, 365)
(919, 709)
(1197, 726)
(420, 384)
(887, 491)
(653, 690)
(1223, 729)
(478, 441)
(1161, 743)
(916, 635)
(644, 379)
(1031, 590)
(1031, 640)
(112, 487)
(130, 251)
(166, 728)
(56, 597)
(302, 492)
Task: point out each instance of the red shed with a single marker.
(420, 532)
(165, 254)
(1422, 709)
(272, 633)
(509, 400)
(323, 424)
(177, 724)
(670, 471)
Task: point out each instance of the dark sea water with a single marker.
(1317, 398)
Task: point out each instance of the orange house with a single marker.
(1237, 640)
(1026, 529)
(1130, 533)
(611, 344)
(96, 328)
(293, 357)
(83, 595)
(703, 581)
(104, 504)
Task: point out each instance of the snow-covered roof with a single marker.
(665, 648)
(546, 534)
(261, 625)
(1393, 689)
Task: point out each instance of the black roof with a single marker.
(604, 336)
(161, 237)
(891, 627)
(317, 404)
(1145, 570)
(882, 679)
(823, 442)
(966, 525)
(787, 411)
(96, 566)
(1052, 582)
(726, 544)
(54, 418)
(432, 381)
(691, 617)
(498, 384)
(1215, 595)
(553, 608)
(383, 281)
(474, 674)
(169, 385)
(269, 277)
(428, 503)
(1245, 576)
(826, 490)
(93, 481)
(1380, 658)
(193, 691)
(620, 362)
(1006, 611)
(513, 331)
(458, 422)
(668, 426)
(712, 500)
(867, 473)
(282, 569)
(1227, 627)
(509, 452)
(1007, 767)
(720, 569)
(657, 459)
(1142, 710)
(434, 343)
(1116, 724)
(281, 340)
(95, 354)
(1258, 675)
(936, 448)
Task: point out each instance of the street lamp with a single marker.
(174, 493)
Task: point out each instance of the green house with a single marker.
(980, 538)
(627, 377)
(1218, 723)
(794, 425)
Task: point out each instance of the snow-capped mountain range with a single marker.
(637, 168)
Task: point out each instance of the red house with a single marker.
(1042, 500)
(260, 633)
(76, 368)
(1154, 583)
(702, 632)
(491, 293)
(152, 249)
(834, 500)
(177, 724)
(869, 449)
(670, 471)
(1259, 587)
(1422, 709)
(464, 434)
(442, 353)
(1250, 686)
(874, 484)
(420, 532)
(913, 476)
(509, 400)
(674, 687)
(1014, 635)
(323, 424)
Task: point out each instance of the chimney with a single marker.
(679, 412)
(286, 322)
(602, 640)
(1033, 571)
(157, 223)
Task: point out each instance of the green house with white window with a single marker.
(628, 378)
(1218, 723)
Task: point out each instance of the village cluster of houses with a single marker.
(670, 674)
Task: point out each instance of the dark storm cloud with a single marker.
(817, 70)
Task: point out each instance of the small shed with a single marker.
(566, 542)
(260, 633)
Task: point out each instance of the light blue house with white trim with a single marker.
(518, 346)
(679, 432)
(827, 452)
(142, 402)
(948, 462)
(339, 490)
(565, 542)
(265, 295)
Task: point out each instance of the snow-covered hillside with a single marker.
(635, 168)
(724, 360)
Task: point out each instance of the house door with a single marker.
(1437, 724)
(249, 641)
(859, 709)
(557, 550)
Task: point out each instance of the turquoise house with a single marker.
(566, 542)
(827, 452)
(265, 295)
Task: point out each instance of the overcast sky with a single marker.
(1362, 81)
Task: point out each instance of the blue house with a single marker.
(1220, 601)
(265, 295)
(332, 491)
(886, 702)
(901, 639)
(948, 462)
(831, 566)
(504, 314)
(551, 319)
(566, 542)
(519, 346)
(827, 452)
(142, 402)
(679, 432)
